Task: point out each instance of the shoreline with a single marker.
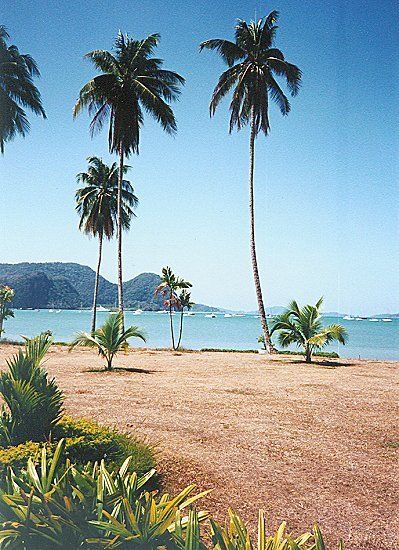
(280, 355)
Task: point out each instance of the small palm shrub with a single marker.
(109, 339)
(55, 504)
(33, 402)
(303, 327)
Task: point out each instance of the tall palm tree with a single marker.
(303, 327)
(131, 81)
(17, 90)
(96, 204)
(253, 63)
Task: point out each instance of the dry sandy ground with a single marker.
(306, 443)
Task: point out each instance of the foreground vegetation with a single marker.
(32, 419)
(55, 504)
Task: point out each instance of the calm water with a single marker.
(366, 339)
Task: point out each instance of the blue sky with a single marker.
(326, 177)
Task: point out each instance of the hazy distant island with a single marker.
(70, 286)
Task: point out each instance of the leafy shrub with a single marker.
(33, 403)
(17, 456)
(85, 441)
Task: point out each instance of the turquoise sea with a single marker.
(373, 340)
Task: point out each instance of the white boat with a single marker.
(189, 314)
(210, 316)
(348, 318)
(138, 312)
(164, 311)
(227, 315)
(101, 308)
(374, 320)
(387, 320)
(51, 311)
(58, 311)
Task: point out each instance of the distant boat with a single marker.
(51, 311)
(58, 311)
(138, 312)
(163, 311)
(210, 315)
(361, 318)
(101, 308)
(227, 315)
(189, 314)
(348, 318)
(374, 320)
(387, 320)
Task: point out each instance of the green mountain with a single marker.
(70, 286)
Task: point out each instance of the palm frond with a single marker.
(229, 51)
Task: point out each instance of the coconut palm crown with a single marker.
(131, 81)
(254, 68)
(17, 90)
(303, 327)
(96, 201)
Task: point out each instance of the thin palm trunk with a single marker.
(268, 343)
(171, 320)
(100, 250)
(181, 327)
(119, 213)
(308, 353)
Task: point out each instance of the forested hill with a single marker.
(70, 286)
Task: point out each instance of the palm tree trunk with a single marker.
(268, 343)
(100, 250)
(171, 321)
(119, 213)
(308, 354)
(181, 327)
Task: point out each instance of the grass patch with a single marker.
(392, 444)
(330, 354)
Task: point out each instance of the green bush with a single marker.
(85, 441)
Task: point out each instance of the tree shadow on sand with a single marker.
(322, 364)
(122, 370)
